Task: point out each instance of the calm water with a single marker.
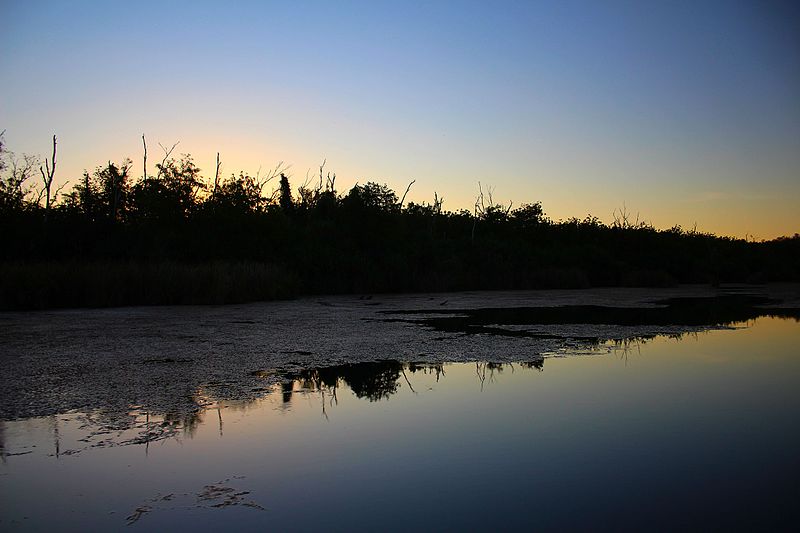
(701, 432)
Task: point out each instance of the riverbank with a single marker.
(39, 285)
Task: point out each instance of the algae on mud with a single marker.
(174, 360)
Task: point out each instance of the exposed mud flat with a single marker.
(177, 360)
(706, 422)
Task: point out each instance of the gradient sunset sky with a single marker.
(685, 112)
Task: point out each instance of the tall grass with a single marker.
(40, 285)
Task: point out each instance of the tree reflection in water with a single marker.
(373, 381)
(379, 380)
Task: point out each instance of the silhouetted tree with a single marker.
(47, 179)
(237, 194)
(115, 188)
(364, 241)
(372, 197)
(103, 195)
(285, 199)
(528, 215)
(375, 381)
(321, 197)
(172, 194)
(85, 198)
(14, 174)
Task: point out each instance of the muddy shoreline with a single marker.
(176, 360)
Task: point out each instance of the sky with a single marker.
(681, 112)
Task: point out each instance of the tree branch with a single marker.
(144, 159)
(403, 199)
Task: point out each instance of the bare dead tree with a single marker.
(403, 371)
(15, 190)
(480, 209)
(480, 205)
(47, 178)
(305, 191)
(403, 199)
(56, 435)
(167, 154)
(437, 203)
(624, 219)
(486, 208)
(216, 176)
(144, 159)
(436, 210)
(310, 195)
(330, 179)
(279, 169)
(480, 370)
(321, 170)
(39, 195)
(2, 149)
(58, 191)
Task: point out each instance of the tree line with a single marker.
(315, 239)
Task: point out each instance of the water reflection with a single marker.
(697, 432)
(371, 381)
(376, 380)
(705, 312)
(162, 394)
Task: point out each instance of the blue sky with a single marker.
(685, 112)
